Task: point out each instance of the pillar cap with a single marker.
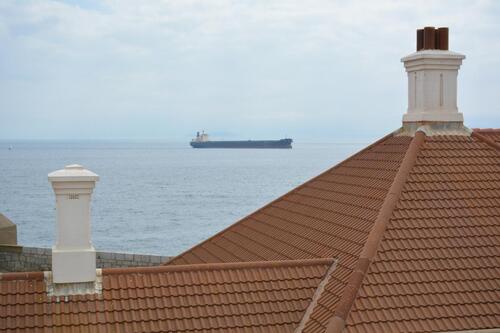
(73, 173)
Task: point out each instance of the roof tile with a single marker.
(237, 297)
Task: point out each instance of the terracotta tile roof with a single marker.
(440, 236)
(236, 297)
(438, 266)
(493, 132)
(329, 216)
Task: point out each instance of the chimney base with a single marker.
(69, 289)
(432, 128)
(73, 266)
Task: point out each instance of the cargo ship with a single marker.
(202, 141)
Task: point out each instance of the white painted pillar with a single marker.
(73, 255)
(432, 86)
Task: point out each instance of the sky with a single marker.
(316, 71)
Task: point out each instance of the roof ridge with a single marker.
(494, 130)
(337, 322)
(486, 140)
(282, 196)
(219, 266)
(21, 276)
(11, 276)
(316, 296)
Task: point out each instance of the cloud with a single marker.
(163, 69)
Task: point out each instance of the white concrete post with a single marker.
(73, 255)
(432, 86)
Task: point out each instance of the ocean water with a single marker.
(154, 197)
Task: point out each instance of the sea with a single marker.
(154, 197)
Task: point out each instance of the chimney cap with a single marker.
(434, 56)
(73, 173)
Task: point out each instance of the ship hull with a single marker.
(249, 144)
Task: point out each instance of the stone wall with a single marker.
(26, 259)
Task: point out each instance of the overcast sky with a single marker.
(311, 70)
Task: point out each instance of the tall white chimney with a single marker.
(432, 80)
(73, 255)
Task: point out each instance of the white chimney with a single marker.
(73, 256)
(432, 79)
